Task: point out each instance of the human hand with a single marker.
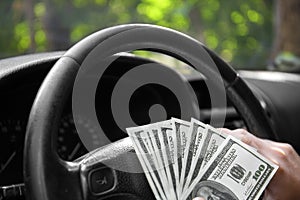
(286, 182)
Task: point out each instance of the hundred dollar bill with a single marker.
(211, 142)
(235, 172)
(161, 149)
(198, 134)
(154, 152)
(169, 140)
(147, 161)
(181, 129)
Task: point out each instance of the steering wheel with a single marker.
(47, 177)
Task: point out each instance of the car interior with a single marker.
(43, 157)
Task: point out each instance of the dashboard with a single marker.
(21, 77)
(15, 108)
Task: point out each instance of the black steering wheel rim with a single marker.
(44, 171)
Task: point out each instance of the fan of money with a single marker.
(182, 160)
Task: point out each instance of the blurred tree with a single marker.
(57, 33)
(287, 27)
(238, 30)
(286, 51)
(12, 19)
(29, 12)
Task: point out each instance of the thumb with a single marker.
(245, 137)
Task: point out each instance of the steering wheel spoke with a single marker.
(97, 180)
(100, 177)
(69, 183)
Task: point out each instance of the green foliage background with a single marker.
(238, 30)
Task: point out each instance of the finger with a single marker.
(238, 133)
(245, 137)
(225, 130)
(281, 154)
(198, 198)
(276, 152)
(273, 151)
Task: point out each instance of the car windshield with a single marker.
(243, 33)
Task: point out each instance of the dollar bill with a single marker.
(198, 134)
(211, 142)
(184, 159)
(162, 149)
(181, 129)
(167, 140)
(147, 161)
(235, 172)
